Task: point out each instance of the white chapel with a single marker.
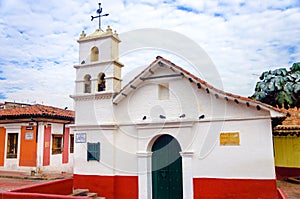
(167, 134)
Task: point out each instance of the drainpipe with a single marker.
(37, 132)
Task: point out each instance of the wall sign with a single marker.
(29, 136)
(29, 127)
(230, 139)
(80, 138)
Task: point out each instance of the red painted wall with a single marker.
(60, 187)
(14, 195)
(2, 145)
(210, 188)
(285, 172)
(111, 187)
(65, 153)
(47, 141)
(28, 148)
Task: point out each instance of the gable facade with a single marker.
(167, 125)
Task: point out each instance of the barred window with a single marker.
(93, 151)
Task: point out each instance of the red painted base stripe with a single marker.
(210, 188)
(285, 172)
(111, 187)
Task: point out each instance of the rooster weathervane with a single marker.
(99, 12)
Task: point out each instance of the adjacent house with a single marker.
(167, 133)
(35, 138)
(287, 145)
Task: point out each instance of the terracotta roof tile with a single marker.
(291, 124)
(37, 110)
(294, 118)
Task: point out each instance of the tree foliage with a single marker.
(280, 87)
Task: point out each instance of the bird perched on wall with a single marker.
(182, 116)
(201, 117)
(162, 117)
(144, 117)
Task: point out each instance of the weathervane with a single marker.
(99, 11)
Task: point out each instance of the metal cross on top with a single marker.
(99, 11)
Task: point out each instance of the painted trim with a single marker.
(110, 187)
(213, 188)
(187, 174)
(65, 152)
(165, 124)
(113, 187)
(46, 145)
(110, 126)
(286, 172)
(144, 174)
(2, 145)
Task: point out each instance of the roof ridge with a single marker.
(199, 80)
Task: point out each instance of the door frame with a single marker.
(145, 171)
(165, 155)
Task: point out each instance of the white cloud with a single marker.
(243, 38)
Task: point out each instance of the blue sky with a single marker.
(243, 39)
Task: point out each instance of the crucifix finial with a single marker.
(99, 12)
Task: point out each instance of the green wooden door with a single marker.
(166, 169)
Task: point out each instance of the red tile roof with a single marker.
(291, 124)
(37, 111)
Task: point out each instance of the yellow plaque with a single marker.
(230, 139)
(47, 144)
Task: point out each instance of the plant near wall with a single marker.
(279, 87)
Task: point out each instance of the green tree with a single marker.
(280, 87)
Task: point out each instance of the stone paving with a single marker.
(292, 190)
(10, 180)
(7, 184)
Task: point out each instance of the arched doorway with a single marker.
(166, 169)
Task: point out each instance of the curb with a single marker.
(34, 177)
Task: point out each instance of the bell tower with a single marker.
(99, 70)
(98, 75)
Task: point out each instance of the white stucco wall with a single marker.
(253, 158)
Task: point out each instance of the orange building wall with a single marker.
(28, 148)
(2, 145)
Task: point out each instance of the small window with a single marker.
(94, 54)
(93, 151)
(12, 145)
(57, 144)
(87, 84)
(71, 143)
(163, 91)
(101, 82)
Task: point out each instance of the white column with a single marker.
(40, 146)
(187, 174)
(144, 174)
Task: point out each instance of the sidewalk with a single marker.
(28, 175)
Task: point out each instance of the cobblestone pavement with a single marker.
(7, 184)
(291, 189)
